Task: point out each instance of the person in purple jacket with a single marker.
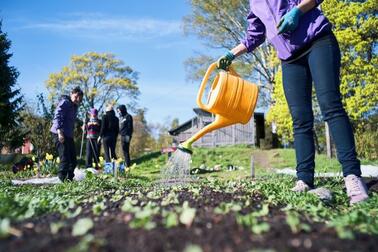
(309, 52)
(63, 132)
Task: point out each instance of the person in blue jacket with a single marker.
(309, 52)
(63, 132)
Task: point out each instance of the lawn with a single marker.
(224, 210)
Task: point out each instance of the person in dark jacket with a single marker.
(63, 132)
(126, 131)
(109, 132)
(92, 129)
(309, 52)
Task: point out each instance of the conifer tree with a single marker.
(11, 100)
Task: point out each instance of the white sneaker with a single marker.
(356, 189)
(300, 186)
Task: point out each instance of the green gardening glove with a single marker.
(225, 61)
(289, 22)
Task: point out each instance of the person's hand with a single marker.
(225, 61)
(61, 137)
(289, 21)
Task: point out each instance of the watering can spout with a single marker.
(219, 122)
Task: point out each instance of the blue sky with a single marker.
(146, 35)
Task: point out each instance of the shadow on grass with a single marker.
(141, 178)
(372, 184)
(146, 157)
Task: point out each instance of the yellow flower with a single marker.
(35, 170)
(118, 161)
(127, 169)
(93, 164)
(49, 157)
(101, 159)
(33, 158)
(58, 160)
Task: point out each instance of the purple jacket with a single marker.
(64, 117)
(264, 17)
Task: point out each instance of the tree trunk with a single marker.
(316, 142)
(328, 141)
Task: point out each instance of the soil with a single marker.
(210, 231)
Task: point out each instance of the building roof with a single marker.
(188, 124)
(182, 127)
(201, 112)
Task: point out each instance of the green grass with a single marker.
(24, 202)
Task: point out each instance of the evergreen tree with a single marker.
(11, 100)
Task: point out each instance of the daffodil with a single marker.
(101, 159)
(118, 161)
(33, 158)
(58, 160)
(49, 157)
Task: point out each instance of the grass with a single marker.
(24, 202)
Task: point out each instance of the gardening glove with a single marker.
(225, 61)
(289, 21)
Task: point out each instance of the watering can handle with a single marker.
(211, 68)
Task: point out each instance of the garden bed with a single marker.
(216, 225)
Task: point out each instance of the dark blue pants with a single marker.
(92, 155)
(109, 144)
(320, 65)
(67, 156)
(126, 150)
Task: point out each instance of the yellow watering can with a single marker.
(231, 99)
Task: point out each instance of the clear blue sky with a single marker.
(147, 35)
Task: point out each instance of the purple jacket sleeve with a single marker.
(59, 113)
(255, 35)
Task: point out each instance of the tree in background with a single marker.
(102, 77)
(355, 25)
(142, 141)
(11, 100)
(279, 113)
(221, 24)
(37, 122)
(162, 137)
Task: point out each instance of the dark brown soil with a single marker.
(210, 231)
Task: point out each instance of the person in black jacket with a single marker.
(109, 132)
(126, 131)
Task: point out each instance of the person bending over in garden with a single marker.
(92, 128)
(126, 131)
(108, 133)
(309, 51)
(63, 132)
